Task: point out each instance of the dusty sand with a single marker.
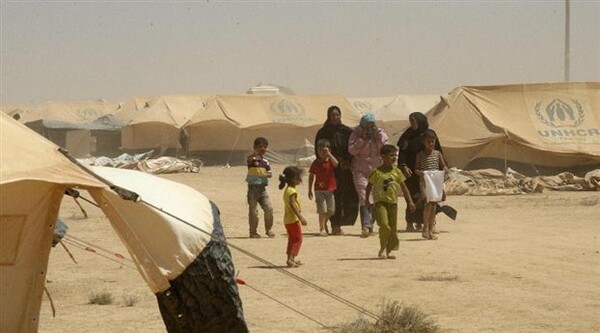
(528, 263)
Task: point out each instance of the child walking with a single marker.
(293, 218)
(259, 172)
(323, 177)
(385, 182)
(429, 159)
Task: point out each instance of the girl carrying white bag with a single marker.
(430, 166)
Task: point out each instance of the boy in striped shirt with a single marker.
(259, 172)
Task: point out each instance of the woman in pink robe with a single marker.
(364, 144)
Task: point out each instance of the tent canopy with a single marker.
(71, 112)
(230, 123)
(174, 110)
(158, 124)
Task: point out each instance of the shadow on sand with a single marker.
(270, 267)
(358, 259)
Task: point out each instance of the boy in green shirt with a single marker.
(385, 183)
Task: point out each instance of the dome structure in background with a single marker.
(270, 89)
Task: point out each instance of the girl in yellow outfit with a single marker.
(293, 218)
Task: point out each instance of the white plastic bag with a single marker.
(434, 185)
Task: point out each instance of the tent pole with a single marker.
(233, 148)
(567, 39)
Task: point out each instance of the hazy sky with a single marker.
(85, 50)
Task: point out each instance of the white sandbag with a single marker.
(434, 185)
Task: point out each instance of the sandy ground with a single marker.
(528, 263)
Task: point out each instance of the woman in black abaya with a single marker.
(346, 198)
(410, 144)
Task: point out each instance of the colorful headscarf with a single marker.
(367, 117)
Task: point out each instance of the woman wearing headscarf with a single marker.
(346, 198)
(410, 143)
(365, 144)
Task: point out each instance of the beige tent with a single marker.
(210, 129)
(370, 104)
(70, 112)
(134, 104)
(33, 179)
(230, 123)
(63, 122)
(158, 125)
(551, 124)
(130, 110)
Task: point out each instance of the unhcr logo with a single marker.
(362, 106)
(290, 112)
(564, 119)
(560, 114)
(288, 108)
(88, 114)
